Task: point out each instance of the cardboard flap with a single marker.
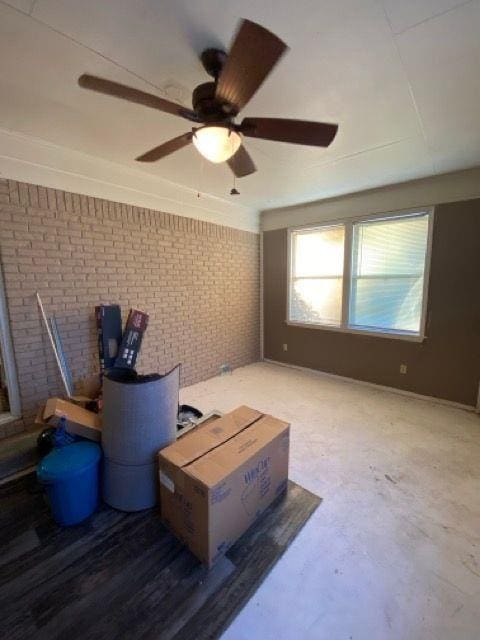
(73, 413)
(215, 465)
(209, 436)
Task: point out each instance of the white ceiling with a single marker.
(401, 77)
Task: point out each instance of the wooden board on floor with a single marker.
(124, 575)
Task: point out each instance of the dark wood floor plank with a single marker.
(91, 571)
(120, 598)
(131, 616)
(19, 545)
(60, 546)
(124, 576)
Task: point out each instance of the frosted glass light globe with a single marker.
(216, 143)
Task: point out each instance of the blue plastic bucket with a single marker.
(71, 477)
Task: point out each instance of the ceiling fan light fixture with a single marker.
(217, 143)
(237, 76)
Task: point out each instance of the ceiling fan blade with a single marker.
(314, 134)
(117, 90)
(254, 53)
(241, 163)
(166, 148)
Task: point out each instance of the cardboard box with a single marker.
(109, 331)
(79, 421)
(217, 479)
(89, 393)
(132, 339)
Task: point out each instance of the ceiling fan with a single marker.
(237, 76)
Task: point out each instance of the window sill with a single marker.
(392, 335)
(6, 417)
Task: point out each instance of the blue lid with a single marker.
(68, 461)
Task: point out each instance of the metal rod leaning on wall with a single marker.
(61, 352)
(52, 342)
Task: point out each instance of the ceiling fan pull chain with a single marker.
(234, 191)
(200, 177)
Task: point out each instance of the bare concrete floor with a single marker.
(393, 552)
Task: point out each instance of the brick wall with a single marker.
(198, 281)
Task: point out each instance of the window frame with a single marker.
(348, 224)
(8, 356)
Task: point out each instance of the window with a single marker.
(365, 275)
(317, 275)
(7, 363)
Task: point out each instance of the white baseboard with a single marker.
(402, 392)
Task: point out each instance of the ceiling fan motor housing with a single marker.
(207, 107)
(213, 61)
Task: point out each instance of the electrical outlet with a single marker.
(285, 347)
(224, 369)
(403, 369)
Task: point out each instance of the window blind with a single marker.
(388, 264)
